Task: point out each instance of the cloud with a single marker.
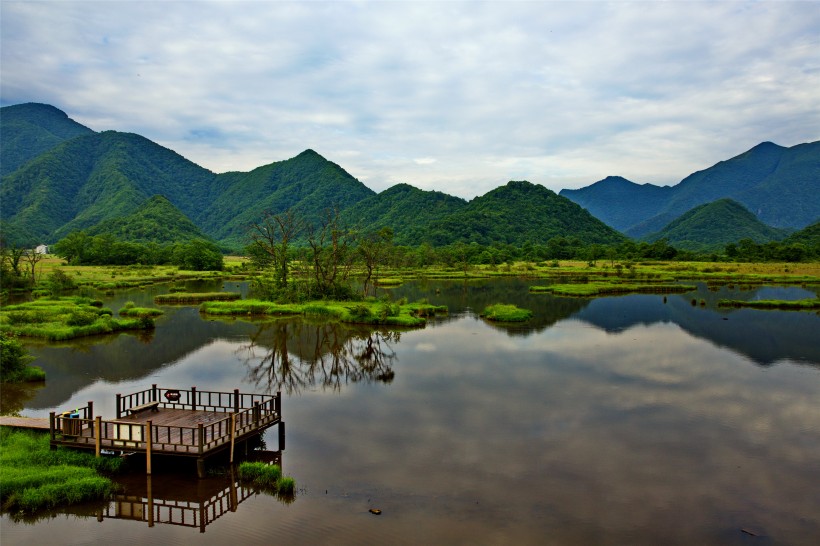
(458, 97)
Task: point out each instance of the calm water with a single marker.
(628, 420)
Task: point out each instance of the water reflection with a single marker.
(291, 356)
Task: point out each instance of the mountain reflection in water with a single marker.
(636, 419)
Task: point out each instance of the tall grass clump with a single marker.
(268, 478)
(34, 478)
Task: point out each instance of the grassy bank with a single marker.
(33, 477)
(58, 319)
(788, 305)
(363, 312)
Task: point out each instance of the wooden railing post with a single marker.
(201, 431)
(236, 400)
(193, 398)
(98, 436)
(118, 412)
(278, 404)
(154, 392)
(148, 447)
(51, 425)
(256, 414)
(90, 410)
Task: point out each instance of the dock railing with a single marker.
(245, 414)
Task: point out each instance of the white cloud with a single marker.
(458, 97)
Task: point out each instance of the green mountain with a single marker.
(517, 213)
(779, 185)
(808, 237)
(156, 220)
(28, 130)
(96, 177)
(308, 183)
(59, 176)
(712, 226)
(409, 211)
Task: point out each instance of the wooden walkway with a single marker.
(31, 423)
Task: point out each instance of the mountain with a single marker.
(517, 213)
(156, 220)
(96, 177)
(647, 200)
(779, 185)
(712, 226)
(409, 211)
(808, 237)
(308, 183)
(28, 130)
(59, 176)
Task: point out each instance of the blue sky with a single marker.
(449, 96)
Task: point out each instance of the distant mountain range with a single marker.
(60, 176)
(780, 186)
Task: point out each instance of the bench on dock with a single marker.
(153, 406)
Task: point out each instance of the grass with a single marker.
(59, 319)
(502, 312)
(378, 312)
(598, 288)
(34, 478)
(788, 305)
(195, 297)
(268, 478)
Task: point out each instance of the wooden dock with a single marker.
(159, 421)
(31, 423)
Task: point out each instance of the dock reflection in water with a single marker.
(182, 500)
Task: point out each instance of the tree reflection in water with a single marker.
(291, 355)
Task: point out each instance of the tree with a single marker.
(373, 248)
(198, 255)
(272, 237)
(73, 247)
(32, 257)
(330, 255)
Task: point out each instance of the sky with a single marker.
(458, 97)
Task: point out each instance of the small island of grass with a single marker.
(378, 312)
(808, 304)
(188, 298)
(58, 319)
(501, 312)
(604, 288)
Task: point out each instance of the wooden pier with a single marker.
(159, 421)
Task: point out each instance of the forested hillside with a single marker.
(28, 130)
(712, 226)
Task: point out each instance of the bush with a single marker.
(14, 360)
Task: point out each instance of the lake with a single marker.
(641, 419)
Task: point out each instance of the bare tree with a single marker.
(330, 253)
(273, 236)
